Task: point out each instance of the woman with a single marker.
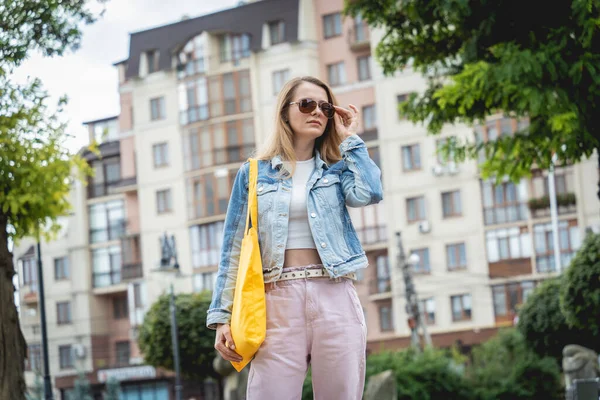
(310, 170)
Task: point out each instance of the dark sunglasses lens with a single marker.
(327, 109)
(307, 106)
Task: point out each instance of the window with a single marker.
(279, 79)
(163, 201)
(138, 296)
(415, 209)
(61, 268)
(560, 184)
(427, 309)
(461, 307)
(152, 61)
(277, 32)
(158, 108)
(508, 297)
(161, 154)
(63, 312)
(106, 173)
(568, 239)
(209, 193)
(34, 358)
(369, 223)
(106, 265)
(364, 68)
(508, 244)
(193, 100)
(401, 98)
(451, 206)
(107, 221)
(361, 32)
(234, 47)
(504, 202)
(206, 243)
(220, 143)
(456, 256)
(369, 118)
(336, 74)
(384, 281)
(423, 266)
(123, 352)
(66, 356)
(205, 281)
(332, 25)
(157, 390)
(411, 157)
(439, 154)
(375, 156)
(385, 318)
(120, 307)
(106, 131)
(30, 276)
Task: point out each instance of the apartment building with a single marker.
(197, 97)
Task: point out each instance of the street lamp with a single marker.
(47, 380)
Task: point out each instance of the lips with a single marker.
(315, 123)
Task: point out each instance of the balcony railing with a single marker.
(380, 285)
(566, 204)
(503, 214)
(105, 188)
(370, 134)
(194, 114)
(116, 276)
(372, 235)
(114, 231)
(359, 36)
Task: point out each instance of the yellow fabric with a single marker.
(249, 313)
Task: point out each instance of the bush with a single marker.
(580, 293)
(504, 368)
(544, 326)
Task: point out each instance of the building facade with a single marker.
(197, 97)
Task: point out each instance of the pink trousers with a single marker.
(317, 322)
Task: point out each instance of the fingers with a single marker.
(225, 346)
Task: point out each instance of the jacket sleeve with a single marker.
(361, 177)
(219, 311)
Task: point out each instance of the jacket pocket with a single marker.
(265, 193)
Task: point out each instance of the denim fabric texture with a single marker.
(354, 181)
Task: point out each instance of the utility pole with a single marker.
(415, 320)
(175, 344)
(47, 381)
(554, 215)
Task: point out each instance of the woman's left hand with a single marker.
(346, 121)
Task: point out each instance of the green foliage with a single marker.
(81, 389)
(36, 392)
(562, 199)
(196, 343)
(580, 294)
(307, 390)
(113, 389)
(505, 368)
(480, 58)
(545, 328)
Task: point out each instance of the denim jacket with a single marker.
(354, 181)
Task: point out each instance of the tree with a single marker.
(545, 328)
(81, 388)
(196, 343)
(504, 368)
(580, 294)
(34, 166)
(113, 389)
(482, 57)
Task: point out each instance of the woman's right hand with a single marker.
(224, 344)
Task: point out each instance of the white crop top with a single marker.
(299, 235)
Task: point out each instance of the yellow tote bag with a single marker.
(249, 313)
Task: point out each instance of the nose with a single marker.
(317, 112)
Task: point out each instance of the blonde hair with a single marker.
(281, 143)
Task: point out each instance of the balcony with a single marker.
(107, 188)
(566, 204)
(508, 268)
(372, 235)
(115, 280)
(30, 293)
(359, 37)
(380, 288)
(115, 231)
(369, 135)
(505, 213)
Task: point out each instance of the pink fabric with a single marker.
(316, 321)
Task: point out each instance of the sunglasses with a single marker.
(306, 106)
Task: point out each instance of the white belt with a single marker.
(311, 273)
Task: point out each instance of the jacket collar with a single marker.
(277, 162)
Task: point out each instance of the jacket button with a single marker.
(313, 215)
(260, 188)
(325, 180)
(323, 245)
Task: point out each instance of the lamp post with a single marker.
(47, 381)
(554, 214)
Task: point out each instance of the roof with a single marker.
(247, 18)
(100, 120)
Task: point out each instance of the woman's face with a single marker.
(311, 125)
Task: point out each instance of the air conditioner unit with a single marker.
(437, 170)
(424, 227)
(452, 168)
(79, 351)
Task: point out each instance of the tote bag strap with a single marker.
(252, 215)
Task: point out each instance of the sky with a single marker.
(88, 77)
